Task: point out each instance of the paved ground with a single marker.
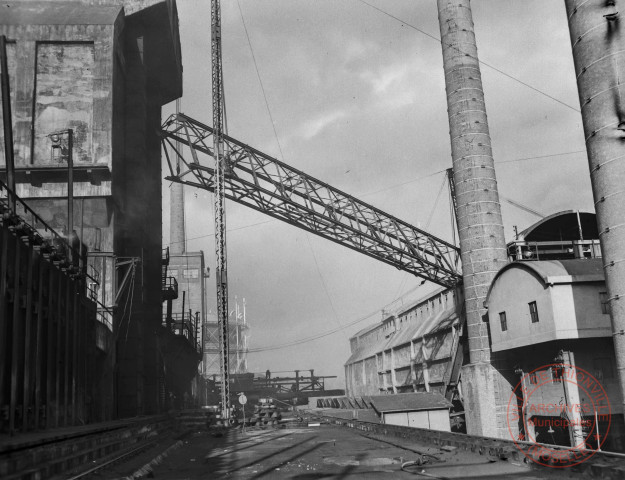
(317, 453)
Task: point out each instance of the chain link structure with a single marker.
(274, 188)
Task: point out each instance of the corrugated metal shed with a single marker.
(409, 402)
(56, 13)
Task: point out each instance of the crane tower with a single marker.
(221, 274)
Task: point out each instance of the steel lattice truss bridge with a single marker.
(270, 186)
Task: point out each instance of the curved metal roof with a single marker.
(562, 226)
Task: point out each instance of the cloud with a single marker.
(315, 126)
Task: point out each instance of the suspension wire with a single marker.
(438, 196)
(325, 288)
(262, 87)
(541, 156)
(328, 332)
(492, 67)
(452, 214)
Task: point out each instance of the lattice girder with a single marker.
(280, 191)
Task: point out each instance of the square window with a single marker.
(533, 312)
(503, 321)
(605, 305)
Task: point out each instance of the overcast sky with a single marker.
(358, 101)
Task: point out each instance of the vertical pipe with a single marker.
(177, 240)
(478, 212)
(39, 339)
(597, 39)
(50, 331)
(28, 335)
(70, 193)
(8, 123)
(58, 350)
(16, 349)
(5, 238)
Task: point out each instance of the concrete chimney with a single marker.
(480, 228)
(597, 36)
(177, 240)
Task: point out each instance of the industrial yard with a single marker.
(287, 241)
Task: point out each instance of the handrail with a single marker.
(58, 242)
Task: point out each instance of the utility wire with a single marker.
(325, 288)
(438, 196)
(249, 42)
(542, 156)
(434, 37)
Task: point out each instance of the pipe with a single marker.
(597, 39)
(478, 211)
(8, 123)
(177, 240)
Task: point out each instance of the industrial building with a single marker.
(98, 322)
(103, 73)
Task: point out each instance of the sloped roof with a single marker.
(56, 13)
(411, 331)
(409, 402)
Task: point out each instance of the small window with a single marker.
(533, 378)
(503, 321)
(533, 312)
(605, 305)
(191, 273)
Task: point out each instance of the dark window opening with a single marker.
(533, 312)
(605, 305)
(503, 321)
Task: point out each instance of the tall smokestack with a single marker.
(176, 224)
(597, 37)
(177, 240)
(480, 228)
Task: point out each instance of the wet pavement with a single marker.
(322, 452)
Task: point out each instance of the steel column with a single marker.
(7, 122)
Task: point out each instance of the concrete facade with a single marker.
(103, 69)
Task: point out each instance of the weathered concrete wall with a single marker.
(106, 76)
